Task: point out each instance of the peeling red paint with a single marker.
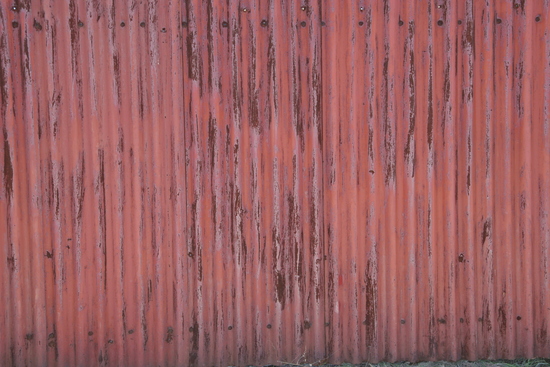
(196, 184)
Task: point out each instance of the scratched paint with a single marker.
(231, 183)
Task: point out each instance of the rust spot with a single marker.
(8, 168)
(486, 230)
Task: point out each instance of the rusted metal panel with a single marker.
(215, 183)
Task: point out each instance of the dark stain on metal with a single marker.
(37, 25)
(486, 230)
(15, 24)
(459, 22)
(537, 18)
(499, 20)
(461, 258)
(518, 318)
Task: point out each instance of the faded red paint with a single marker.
(191, 183)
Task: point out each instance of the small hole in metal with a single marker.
(459, 22)
(537, 19)
(499, 20)
(269, 326)
(225, 24)
(230, 327)
(264, 23)
(163, 30)
(402, 322)
(14, 24)
(361, 23)
(439, 22)
(323, 23)
(518, 318)
(122, 24)
(131, 331)
(90, 333)
(142, 24)
(80, 23)
(37, 26)
(111, 341)
(401, 23)
(303, 24)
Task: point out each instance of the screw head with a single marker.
(537, 19)
(440, 23)
(245, 10)
(303, 24)
(263, 23)
(14, 8)
(303, 8)
(362, 8)
(230, 327)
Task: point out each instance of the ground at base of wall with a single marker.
(537, 362)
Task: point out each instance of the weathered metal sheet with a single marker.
(217, 182)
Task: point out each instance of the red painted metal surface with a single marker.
(229, 183)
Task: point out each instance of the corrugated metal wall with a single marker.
(221, 182)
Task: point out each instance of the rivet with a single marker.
(402, 321)
(440, 22)
(80, 23)
(142, 24)
(184, 24)
(303, 24)
(264, 23)
(303, 8)
(518, 318)
(225, 24)
(230, 327)
(269, 326)
(537, 19)
(163, 30)
(459, 22)
(90, 333)
(14, 24)
(111, 341)
(131, 331)
(122, 24)
(499, 20)
(400, 23)
(361, 23)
